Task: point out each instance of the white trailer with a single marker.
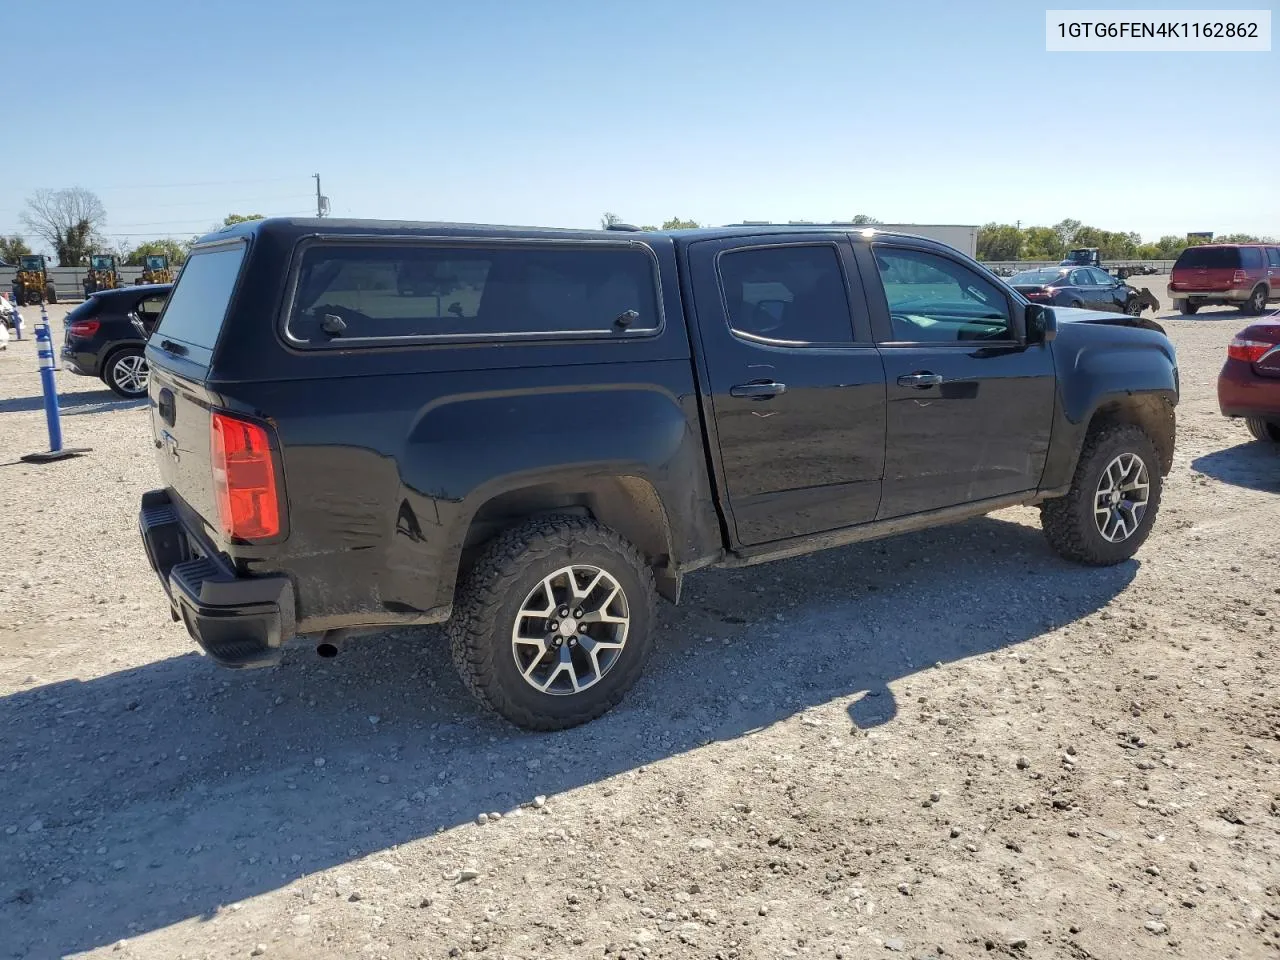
(963, 238)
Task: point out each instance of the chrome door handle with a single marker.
(920, 380)
(759, 390)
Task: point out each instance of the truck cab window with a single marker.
(794, 294)
(933, 299)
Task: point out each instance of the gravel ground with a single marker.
(950, 743)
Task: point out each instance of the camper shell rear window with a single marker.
(396, 291)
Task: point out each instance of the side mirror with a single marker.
(1042, 324)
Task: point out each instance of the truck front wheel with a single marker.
(553, 623)
(1114, 497)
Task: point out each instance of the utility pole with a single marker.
(322, 202)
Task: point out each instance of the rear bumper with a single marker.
(79, 361)
(1242, 393)
(237, 621)
(1212, 296)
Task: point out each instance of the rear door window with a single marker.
(1251, 258)
(790, 293)
(198, 304)
(1273, 256)
(1209, 258)
(149, 308)
(384, 291)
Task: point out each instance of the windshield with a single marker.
(32, 263)
(1081, 256)
(1221, 258)
(1037, 277)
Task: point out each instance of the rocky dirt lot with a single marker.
(949, 744)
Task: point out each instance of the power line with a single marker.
(232, 203)
(204, 183)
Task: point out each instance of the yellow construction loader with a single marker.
(102, 274)
(156, 269)
(31, 284)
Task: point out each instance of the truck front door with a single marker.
(970, 402)
(792, 382)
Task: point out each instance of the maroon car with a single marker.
(1249, 385)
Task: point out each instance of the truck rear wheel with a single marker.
(1257, 302)
(1114, 497)
(554, 622)
(1268, 431)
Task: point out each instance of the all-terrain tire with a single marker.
(495, 588)
(1268, 431)
(1069, 522)
(1190, 308)
(1256, 305)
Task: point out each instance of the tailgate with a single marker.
(180, 354)
(180, 424)
(1204, 278)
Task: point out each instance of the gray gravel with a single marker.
(813, 737)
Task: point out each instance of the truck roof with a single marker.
(300, 226)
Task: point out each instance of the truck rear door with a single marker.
(179, 355)
(797, 391)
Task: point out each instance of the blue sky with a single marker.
(552, 111)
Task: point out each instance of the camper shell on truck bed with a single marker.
(530, 432)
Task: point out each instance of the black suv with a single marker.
(532, 433)
(106, 334)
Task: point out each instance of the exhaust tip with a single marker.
(327, 650)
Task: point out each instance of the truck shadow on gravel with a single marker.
(1255, 466)
(88, 401)
(163, 793)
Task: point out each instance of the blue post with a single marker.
(44, 350)
(48, 364)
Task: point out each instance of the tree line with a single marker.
(71, 221)
(1006, 241)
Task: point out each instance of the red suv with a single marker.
(1249, 385)
(1244, 275)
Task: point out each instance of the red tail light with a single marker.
(84, 328)
(244, 479)
(1250, 351)
(1239, 278)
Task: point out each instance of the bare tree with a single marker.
(68, 220)
(608, 220)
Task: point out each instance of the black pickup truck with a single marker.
(531, 433)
